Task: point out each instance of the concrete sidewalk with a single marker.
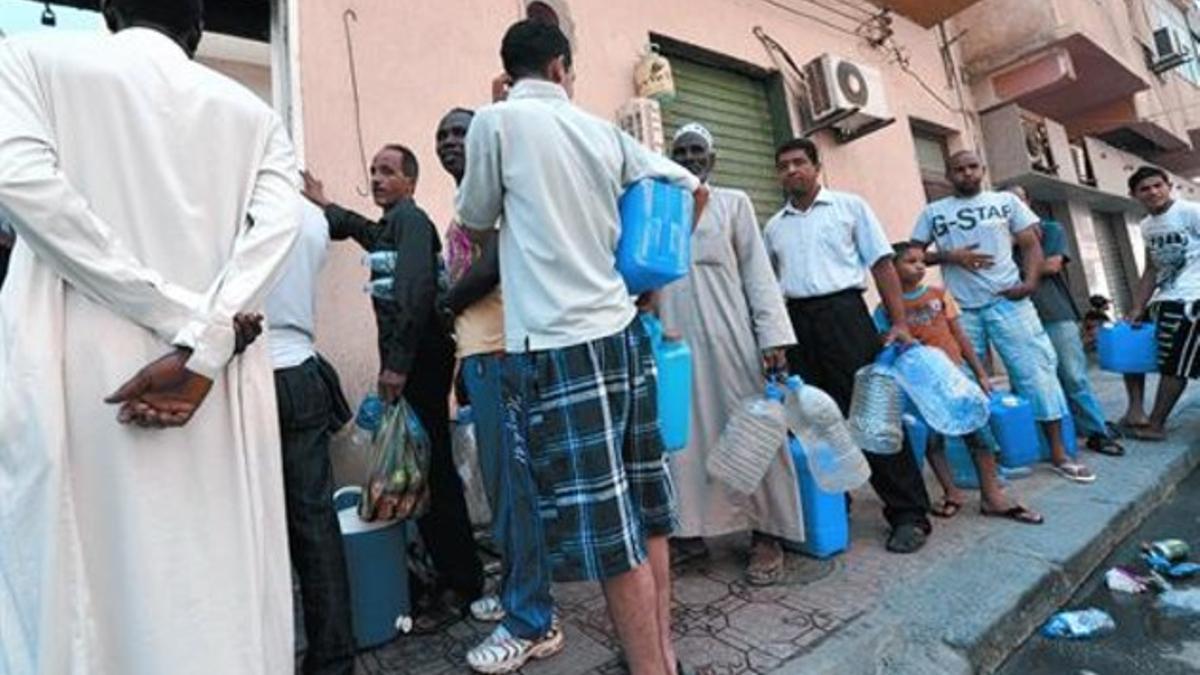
(973, 593)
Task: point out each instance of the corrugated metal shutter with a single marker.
(1112, 259)
(735, 108)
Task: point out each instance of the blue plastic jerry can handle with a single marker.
(889, 355)
(775, 392)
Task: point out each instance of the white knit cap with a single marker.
(699, 130)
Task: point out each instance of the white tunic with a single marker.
(729, 309)
(132, 175)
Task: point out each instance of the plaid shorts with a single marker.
(584, 419)
(1178, 337)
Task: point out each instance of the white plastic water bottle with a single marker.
(381, 262)
(834, 460)
(753, 438)
(383, 288)
(949, 401)
(876, 406)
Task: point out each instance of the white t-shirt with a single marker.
(1173, 242)
(556, 173)
(826, 249)
(987, 222)
(291, 306)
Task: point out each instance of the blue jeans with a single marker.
(1014, 329)
(1073, 374)
(516, 525)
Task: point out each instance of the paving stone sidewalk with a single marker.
(723, 626)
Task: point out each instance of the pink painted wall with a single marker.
(418, 58)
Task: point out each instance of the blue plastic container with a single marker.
(377, 567)
(1069, 440)
(826, 523)
(916, 431)
(1015, 429)
(673, 358)
(1125, 349)
(655, 247)
(962, 467)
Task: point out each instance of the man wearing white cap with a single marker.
(731, 313)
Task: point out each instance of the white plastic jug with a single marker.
(753, 437)
(836, 463)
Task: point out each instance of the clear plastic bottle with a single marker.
(949, 401)
(366, 422)
(836, 463)
(383, 288)
(877, 405)
(753, 437)
(381, 262)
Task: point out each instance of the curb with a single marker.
(968, 614)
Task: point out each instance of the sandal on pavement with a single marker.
(1076, 473)
(1019, 513)
(1105, 446)
(503, 652)
(947, 509)
(765, 569)
(907, 538)
(488, 609)
(1148, 434)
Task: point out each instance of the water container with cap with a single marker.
(832, 458)
(876, 406)
(1070, 442)
(826, 524)
(948, 400)
(752, 439)
(1014, 428)
(1125, 348)
(381, 262)
(673, 359)
(377, 569)
(654, 248)
(383, 288)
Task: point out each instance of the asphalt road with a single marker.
(1147, 639)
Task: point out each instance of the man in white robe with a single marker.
(731, 313)
(153, 201)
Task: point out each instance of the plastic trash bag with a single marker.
(466, 461)
(1183, 602)
(1079, 625)
(397, 482)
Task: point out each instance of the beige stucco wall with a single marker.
(418, 58)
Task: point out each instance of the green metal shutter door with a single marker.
(736, 110)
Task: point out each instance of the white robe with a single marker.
(132, 176)
(729, 309)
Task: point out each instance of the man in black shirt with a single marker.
(415, 353)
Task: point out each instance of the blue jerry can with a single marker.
(826, 523)
(655, 246)
(1125, 349)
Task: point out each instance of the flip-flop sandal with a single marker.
(947, 509)
(1106, 446)
(765, 576)
(1076, 473)
(1127, 428)
(1018, 513)
(1147, 434)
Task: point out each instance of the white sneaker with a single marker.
(502, 652)
(488, 608)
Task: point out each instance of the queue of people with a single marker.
(161, 510)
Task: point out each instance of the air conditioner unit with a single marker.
(844, 94)
(1080, 161)
(1171, 49)
(642, 119)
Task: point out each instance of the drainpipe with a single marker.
(954, 75)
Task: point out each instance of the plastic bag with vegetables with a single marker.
(397, 485)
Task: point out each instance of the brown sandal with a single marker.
(1018, 513)
(947, 509)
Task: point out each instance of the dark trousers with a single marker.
(314, 538)
(446, 528)
(836, 337)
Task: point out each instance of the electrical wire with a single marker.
(362, 148)
(804, 15)
(840, 12)
(859, 8)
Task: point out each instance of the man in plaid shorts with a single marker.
(578, 375)
(1171, 232)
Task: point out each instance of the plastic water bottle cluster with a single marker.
(381, 262)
